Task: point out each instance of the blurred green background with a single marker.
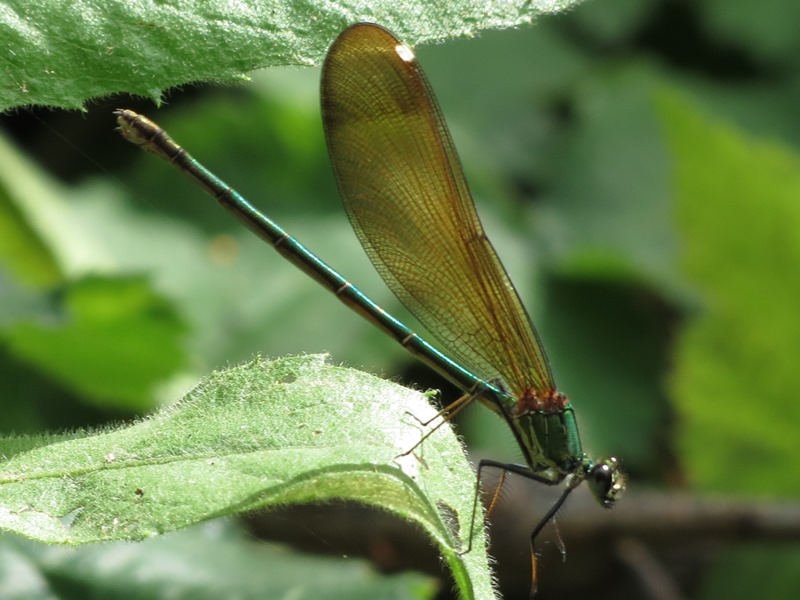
(635, 164)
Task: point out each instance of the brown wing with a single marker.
(405, 192)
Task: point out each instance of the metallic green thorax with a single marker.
(550, 441)
(557, 434)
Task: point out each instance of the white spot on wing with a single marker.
(404, 52)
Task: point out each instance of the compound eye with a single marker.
(605, 481)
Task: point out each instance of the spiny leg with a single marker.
(505, 468)
(523, 471)
(447, 413)
(571, 485)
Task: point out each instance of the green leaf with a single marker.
(208, 562)
(66, 53)
(736, 378)
(24, 250)
(258, 435)
(114, 341)
(43, 240)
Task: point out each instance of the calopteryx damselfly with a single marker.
(405, 193)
